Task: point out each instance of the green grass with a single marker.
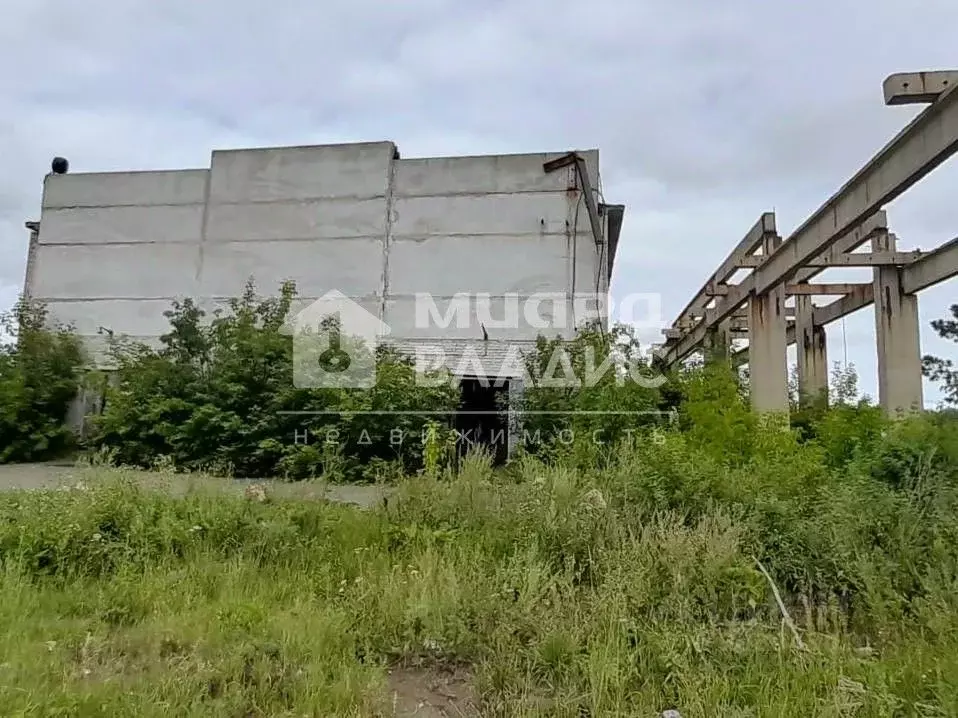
(566, 592)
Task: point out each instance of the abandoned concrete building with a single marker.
(111, 250)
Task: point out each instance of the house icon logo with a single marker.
(334, 343)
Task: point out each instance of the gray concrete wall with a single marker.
(114, 249)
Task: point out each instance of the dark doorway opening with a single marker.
(483, 419)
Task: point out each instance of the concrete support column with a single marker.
(767, 346)
(718, 342)
(897, 336)
(34, 228)
(812, 355)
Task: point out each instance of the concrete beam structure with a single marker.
(898, 338)
(845, 260)
(764, 226)
(843, 247)
(917, 88)
(768, 369)
(929, 140)
(815, 290)
(829, 238)
(34, 229)
(718, 342)
(932, 268)
(812, 354)
(861, 296)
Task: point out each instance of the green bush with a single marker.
(40, 375)
(587, 394)
(220, 396)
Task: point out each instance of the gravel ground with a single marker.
(51, 476)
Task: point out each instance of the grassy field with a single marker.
(546, 590)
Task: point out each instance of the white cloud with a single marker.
(706, 114)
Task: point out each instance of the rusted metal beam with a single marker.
(929, 140)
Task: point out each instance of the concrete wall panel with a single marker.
(372, 304)
(491, 174)
(587, 277)
(94, 225)
(261, 175)
(116, 271)
(125, 188)
(98, 348)
(515, 214)
(462, 321)
(141, 317)
(314, 219)
(447, 265)
(353, 266)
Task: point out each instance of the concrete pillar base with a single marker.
(767, 346)
(812, 353)
(897, 332)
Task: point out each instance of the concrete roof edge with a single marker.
(274, 148)
(616, 215)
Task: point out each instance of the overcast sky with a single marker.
(706, 114)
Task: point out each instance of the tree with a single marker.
(944, 370)
(40, 375)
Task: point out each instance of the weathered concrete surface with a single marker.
(767, 366)
(272, 174)
(114, 249)
(354, 267)
(812, 353)
(122, 224)
(898, 336)
(498, 225)
(33, 477)
(116, 271)
(112, 189)
(913, 88)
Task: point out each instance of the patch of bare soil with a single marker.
(432, 693)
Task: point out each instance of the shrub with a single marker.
(220, 395)
(587, 394)
(40, 375)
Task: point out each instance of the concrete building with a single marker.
(112, 250)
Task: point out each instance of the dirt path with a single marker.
(50, 476)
